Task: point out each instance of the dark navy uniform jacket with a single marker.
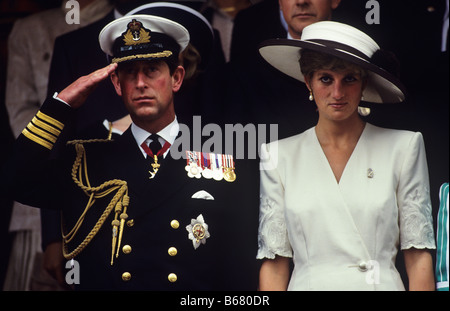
(225, 262)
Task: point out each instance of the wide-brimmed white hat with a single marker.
(342, 41)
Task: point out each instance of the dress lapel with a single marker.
(352, 161)
(337, 190)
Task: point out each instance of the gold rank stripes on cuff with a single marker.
(43, 130)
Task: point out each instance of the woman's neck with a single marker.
(339, 133)
(338, 141)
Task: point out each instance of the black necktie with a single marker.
(155, 145)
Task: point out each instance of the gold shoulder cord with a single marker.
(119, 203)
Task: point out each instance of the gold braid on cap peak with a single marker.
(119, 203)
(138, 56)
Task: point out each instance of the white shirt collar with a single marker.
(167, 134)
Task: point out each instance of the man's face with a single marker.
(301, 13)
(147, 88)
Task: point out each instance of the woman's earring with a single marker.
(311, 97)
(363, 111)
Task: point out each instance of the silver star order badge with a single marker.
(198, 231)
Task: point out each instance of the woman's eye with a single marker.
(350, 79)
(325, 79)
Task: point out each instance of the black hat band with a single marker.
(341, 47)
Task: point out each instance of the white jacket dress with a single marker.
(345, 236)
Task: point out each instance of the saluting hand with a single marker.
(77, 92)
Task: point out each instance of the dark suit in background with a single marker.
(253, 25)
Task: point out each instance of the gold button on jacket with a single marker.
(126, 249)
(172, 251)
(175, 224)
(126, 276)
(172, 277)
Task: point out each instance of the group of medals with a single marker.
(210, 166)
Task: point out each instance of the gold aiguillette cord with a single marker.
(117, 231)
(119, 203)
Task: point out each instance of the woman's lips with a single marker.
(337, 106)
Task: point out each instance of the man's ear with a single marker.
(177, 78)
(335, 4)
(115, 81)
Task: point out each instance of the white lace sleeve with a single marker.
(273, 237)
(416, 222)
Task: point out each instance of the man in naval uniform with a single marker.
(136, 216)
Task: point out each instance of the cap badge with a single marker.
(198, 231)
(136, 33)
